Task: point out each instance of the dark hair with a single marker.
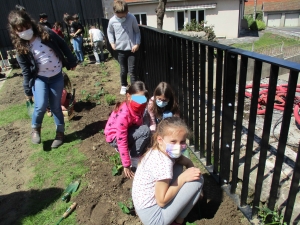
(67, 82)
(57, 24)
(166, 90)
(76, 16)
(43, 16)
(120, 6)
(17, 18)
(67, 18)
(136, 87)
(19, 7)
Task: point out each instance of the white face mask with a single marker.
(121, 20)
(26, 34)
(45, 21)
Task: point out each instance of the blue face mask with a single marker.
(161, 104)
(121, 20)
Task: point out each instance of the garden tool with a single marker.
(30, 107)
(73, 187)
(67, 212)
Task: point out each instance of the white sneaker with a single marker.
(97, 63)
(134, 161)
(123, 90)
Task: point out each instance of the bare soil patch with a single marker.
(98, 199)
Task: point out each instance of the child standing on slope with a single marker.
(162, 105)
(124, 36)
(162, 193)
(124, 129)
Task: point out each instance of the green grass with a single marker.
(268, 39)
(13, 113)
(53, 169)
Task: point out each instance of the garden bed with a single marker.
(100, 191)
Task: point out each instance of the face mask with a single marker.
(26, 34)
(45, 21)
(160, 103)
(138, 103)
(121, 20)
(175, 150)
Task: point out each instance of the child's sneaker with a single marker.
(123, 90)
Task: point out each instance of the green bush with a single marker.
(259, 16)
(249, 19)
(258, 25)
(195, 26)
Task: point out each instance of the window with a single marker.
(141, 18)
(180, 20)
(197, 15)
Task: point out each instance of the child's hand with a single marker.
(113, 46)
(128, 173)
(191, 174)
(135, 48)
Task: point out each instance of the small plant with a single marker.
(84, 63)
(102, 65)
(195, 26)
(97, 84)
(110, 99)
(127, 206)
(105, 73)
(101, 131)
(99, 94)
(98, 103)
(104, 80)
(270, 217)
(116, 160)
(88, 97)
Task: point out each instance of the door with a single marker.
(274, 20)
(291, 20)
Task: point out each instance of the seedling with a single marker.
(105, 73)
(110, 99)
(116, 160)
(84, 63)
(104, 80)
(270, 217)
(102, 65)
(99, 94)
(101, 131)
(98, 103)
(97, 84)
(88, 97)
(127, 206)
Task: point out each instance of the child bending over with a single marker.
(162, 193)
(124, 129)
(162, 105)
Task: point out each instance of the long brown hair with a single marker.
(17, 18)
(136, 87)
(166, 90)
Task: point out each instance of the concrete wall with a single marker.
(224, 17)
(282, 20)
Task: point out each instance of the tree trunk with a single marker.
(160, 12)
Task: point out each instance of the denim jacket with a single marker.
(30, 68)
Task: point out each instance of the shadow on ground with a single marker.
(18, 205)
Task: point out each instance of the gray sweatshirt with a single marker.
(125, 35)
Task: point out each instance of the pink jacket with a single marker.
(117, 127)
(151, 114)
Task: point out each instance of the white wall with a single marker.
(224, 17)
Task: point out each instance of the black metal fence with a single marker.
(204, 76)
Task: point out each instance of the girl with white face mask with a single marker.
(162, 105)
(41, 55)
(161, 192)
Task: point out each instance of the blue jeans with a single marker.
(127, 63)
(77, 45)
(48, 91)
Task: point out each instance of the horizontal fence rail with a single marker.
(209, 80)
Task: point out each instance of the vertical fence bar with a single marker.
(190, 88)
(219, 76)
(196, 95)
(202, 98)
(292, 84)
(251, 129)
(264, 144)
(210, 86)
(239, 122)
(180, 70)
(177, 71)
(184, 81)
(171, 59)
(293, 190)
(228, 112)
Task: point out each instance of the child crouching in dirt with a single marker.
(124, 129)
(162, 192)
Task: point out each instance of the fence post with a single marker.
(228, 113)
